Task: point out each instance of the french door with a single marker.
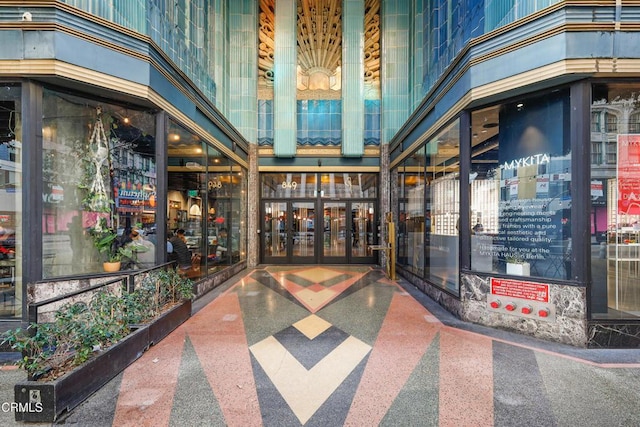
(288, 232)
(297, 232)
(348, 231)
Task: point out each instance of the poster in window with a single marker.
(629, 174)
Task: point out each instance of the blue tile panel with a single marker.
(448, 25)
(265, 122)
(242, 67)
(352, 77)
(396, 100)
(372, 122)
(284, 84)
(319, 122)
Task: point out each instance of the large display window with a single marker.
(10, 201)
(442, 208)
(98, 171)
(429, 210)
(615, 204)
(520, 187)
(206, 205)
(411, 214)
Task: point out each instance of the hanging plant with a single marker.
(97, 169)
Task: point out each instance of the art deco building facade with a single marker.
(501, 138)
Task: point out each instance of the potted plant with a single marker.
(517, 266)
(105, 239)
(87, 344)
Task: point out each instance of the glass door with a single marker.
(274, 236)
(348, 232)
(362, 232)
(336, 235)
(303, 232)
(288, 232)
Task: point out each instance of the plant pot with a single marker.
(520, 269)
(111, 267)
(46, 401)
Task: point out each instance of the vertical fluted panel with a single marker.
(218, 51)
(353, 78)
(284, 84)
(417, 53)
(243, 67)
(395, 66)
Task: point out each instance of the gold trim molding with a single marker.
(327, 169)
(55, 68)
(592, 67)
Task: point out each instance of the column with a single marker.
(353, 78)
(284, 84)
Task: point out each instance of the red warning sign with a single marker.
(520, 289)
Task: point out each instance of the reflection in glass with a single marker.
(335, 229)
(303, 229)
(98, 162)
(521, 188)
(10, 201)
(187, 191)
(411, 219)
(274, 225)
(442, 208)
(362, 215)
(615, 214)
(428, 211)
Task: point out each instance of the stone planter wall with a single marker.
(46, 401)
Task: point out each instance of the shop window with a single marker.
(402, 240)
(11, 215)
(520, 186)
(442, 208)
(411, 223)
(239, 212)
(187, 198)
(206, 211)
(428, 210)
(88, 179)
(615, 208)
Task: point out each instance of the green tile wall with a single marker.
(396, 100)
(284, 85)
(242, 90)
(353, 78)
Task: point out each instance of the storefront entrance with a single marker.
(315, 230)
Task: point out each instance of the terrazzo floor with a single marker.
(346, 346)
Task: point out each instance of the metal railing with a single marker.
(127, 283)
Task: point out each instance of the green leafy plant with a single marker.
(80, 330)
(158, 289)
(105, 239)
(516, 258)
